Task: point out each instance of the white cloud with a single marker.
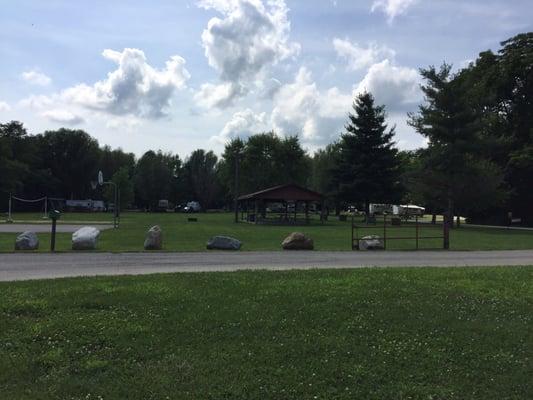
(242, 124)
(251, 37)
(268, 88)
(335, 104)
(318, 116)
(395, 86)
(4, 106)
(123, 123)
(296, 105)
(36, 101)
(36, 78)
(134, 88)
(62, 117)
(220, 96)
(359, 57)
(301, 109)
(392, 8)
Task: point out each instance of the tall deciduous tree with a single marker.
(368, 169)
(154, 176)
(14, 167)
(265, 160)
(72, 158)
(453, 164)
(500, 88)
(324, 164)
(200, 170)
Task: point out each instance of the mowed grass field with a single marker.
(181, 235)
(360, 334)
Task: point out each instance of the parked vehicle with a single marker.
(408, 211)
(84, 205)
(162, 206)
(192, 207)
(378, 209)
(98, 205)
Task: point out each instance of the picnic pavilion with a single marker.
(281, 205)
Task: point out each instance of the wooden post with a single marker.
(385, 231)
(352, 230)
(53, 236)
(9, 210)
(416, 227)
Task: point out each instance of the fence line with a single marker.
(388, 235)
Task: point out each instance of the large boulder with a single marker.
(85, 238)
(27, 241)
(371, 242)
(154, 238)
(297, 241)
(223, 243)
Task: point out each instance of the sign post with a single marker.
(54, 216)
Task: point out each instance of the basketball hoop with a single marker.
(100, 178)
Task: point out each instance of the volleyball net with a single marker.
(39, 206)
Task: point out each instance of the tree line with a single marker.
(478, 123)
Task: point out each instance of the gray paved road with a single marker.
(44, 228)
(46, 266)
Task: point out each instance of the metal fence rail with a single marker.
(389, 231)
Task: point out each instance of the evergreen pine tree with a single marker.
(369, 168)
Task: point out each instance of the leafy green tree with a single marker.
(265, 160)
(233, 152)
(153, 178)
(200, 171)
(369, 168)
(324, 164)
(71, 156)
(14, 167)
(111, 161)
(453, 163)
(500, 89)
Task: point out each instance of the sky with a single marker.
(180, 75)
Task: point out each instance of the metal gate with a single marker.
(390, 229)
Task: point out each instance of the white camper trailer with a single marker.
(408, 211)
(377, 209)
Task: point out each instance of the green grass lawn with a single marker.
(180, 235)
(359, 334)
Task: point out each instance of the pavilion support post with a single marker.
(256, 211)
(295, 209)
(307, 212)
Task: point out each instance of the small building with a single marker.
(284, 205)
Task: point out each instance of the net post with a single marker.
(9, 209)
